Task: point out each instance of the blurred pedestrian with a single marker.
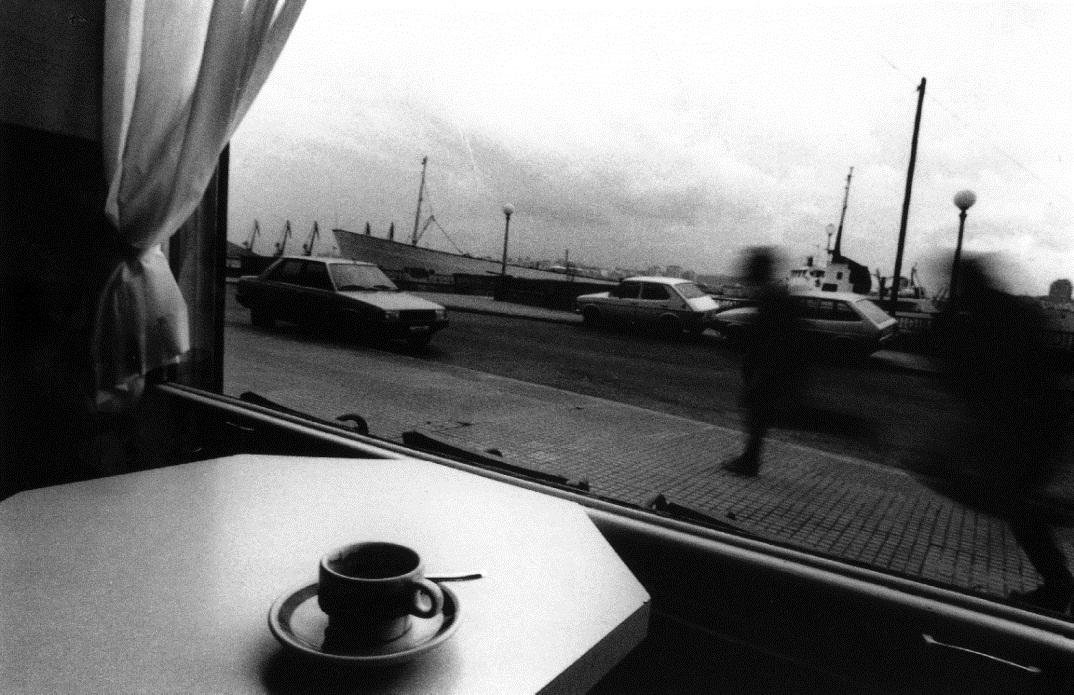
(1009, 443)
(773, 364)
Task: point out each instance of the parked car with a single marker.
(338, 292)
(673, 305)
(846, 323)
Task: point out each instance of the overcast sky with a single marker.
(671, 133)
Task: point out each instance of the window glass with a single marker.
(690, 290)
(843, 312)
(288, 271)
(817, 309)
(349, 276)
(636, 412)
(652, 290)
(872, 311)
(316, 276)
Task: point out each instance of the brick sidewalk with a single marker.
(841, 507)
(837, 506)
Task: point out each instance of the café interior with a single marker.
(150, 524)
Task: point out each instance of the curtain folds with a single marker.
(178, 78)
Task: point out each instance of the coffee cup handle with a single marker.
(436, 598)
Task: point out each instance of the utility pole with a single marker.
(906, 198)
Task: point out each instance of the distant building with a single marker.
(710, 279)
(673, 271)
(1060, 292)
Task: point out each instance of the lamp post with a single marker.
(508, 210)
(964, 200)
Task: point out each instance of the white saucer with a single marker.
(298, 623)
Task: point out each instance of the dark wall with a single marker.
(50, 65)
(54, 245)
(56, 249)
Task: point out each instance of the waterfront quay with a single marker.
(848, 507)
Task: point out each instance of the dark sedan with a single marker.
(339, 293)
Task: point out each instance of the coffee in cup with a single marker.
(370, 591)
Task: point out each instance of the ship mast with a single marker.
(837, 252)
(417, 213)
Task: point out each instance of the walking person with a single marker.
(773, 365)
(1010, 441)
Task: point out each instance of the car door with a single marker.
(655, 301)
(619, 307)
(282, 288)
(819, 317)
(318, 296)
(852, 327)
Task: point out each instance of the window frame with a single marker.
(907, 616)
(908, 605)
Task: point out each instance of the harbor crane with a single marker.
(281, 245)
(315, 234)
(252, 239)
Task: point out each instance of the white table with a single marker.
(161, 581)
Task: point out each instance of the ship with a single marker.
(841, 274)
(417, 267)
(408, 263)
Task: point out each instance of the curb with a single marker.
(566, 320)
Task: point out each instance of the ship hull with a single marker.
(416, 267)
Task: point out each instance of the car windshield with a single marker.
(872, 311)
(348, 276)
(516, 166)
(690, 290)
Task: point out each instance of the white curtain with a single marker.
(179, 76)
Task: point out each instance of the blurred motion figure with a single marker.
(1007, 447)
(774, 362)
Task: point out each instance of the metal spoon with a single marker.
(456, 577)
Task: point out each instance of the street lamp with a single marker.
(964, 200)
(508, 210)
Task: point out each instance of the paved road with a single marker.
(849, 409)
(853, 410)
(836, 505)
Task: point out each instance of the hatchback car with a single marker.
(673, 305)
(847, 323)
(339, 293)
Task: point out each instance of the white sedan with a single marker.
(848, 323)
(673, 305)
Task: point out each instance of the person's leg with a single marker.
(1037, 540)
(749, 462)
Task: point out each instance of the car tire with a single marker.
(591, 316)
(261, 318)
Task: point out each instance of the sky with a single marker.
(633, 134)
